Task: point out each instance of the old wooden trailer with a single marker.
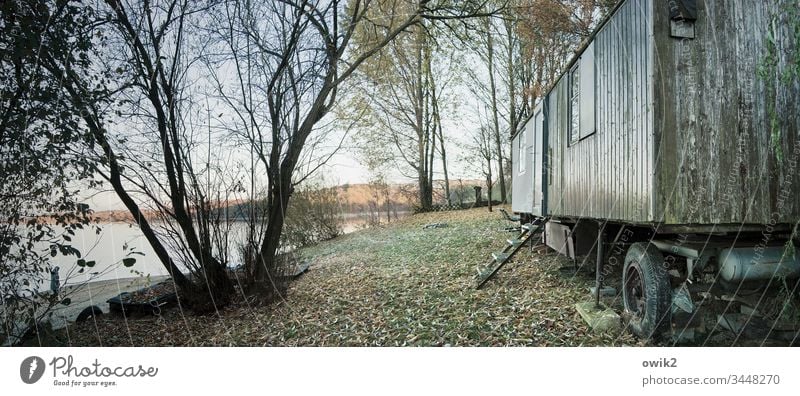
(672, 137)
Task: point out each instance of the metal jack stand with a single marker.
(599, 317)
(598, 272)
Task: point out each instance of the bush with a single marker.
(314, 215)
(25, 302)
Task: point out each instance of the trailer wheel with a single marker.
(646, 291)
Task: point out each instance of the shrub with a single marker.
(314, 215)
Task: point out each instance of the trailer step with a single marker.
(512, 247)
(508, 217)
(500, 256)
(487, 273)
(514, 242)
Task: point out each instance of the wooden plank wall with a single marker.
(719, 160)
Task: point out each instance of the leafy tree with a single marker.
(549, 31)
(399, 95)
(42, 155)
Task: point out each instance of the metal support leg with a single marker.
(530, 238)
(530, 245)
(568, 252)
(598, 275)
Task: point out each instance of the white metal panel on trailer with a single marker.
(522, 170)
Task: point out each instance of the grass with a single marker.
(396, 285)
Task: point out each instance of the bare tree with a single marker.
(482, 146)
(486, 86)
(438, 131)
(146, 145)
(548, 32)
(288, 61)
(498, 142)
(394, 94)
(400, 94)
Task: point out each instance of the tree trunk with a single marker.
(512, 86)
(432, 151)
(115, 178)
(425, 193)
(265, 274)
(493, 88)
(437, 131)
(423, 143)
(387, 198)
(444, 167)
(489, 184)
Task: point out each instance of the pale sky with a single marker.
(462, 115)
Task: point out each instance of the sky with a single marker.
(343, 168)
(460, 119)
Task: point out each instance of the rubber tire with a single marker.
(89, 312)
(657, 318)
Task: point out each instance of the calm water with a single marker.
(107, 251)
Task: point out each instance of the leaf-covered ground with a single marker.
(391, 286)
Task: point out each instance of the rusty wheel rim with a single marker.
(635, 292)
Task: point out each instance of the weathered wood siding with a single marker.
(608, 175)
(719, 158)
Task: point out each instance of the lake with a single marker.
(107, 251)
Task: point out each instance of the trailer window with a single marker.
(587, 101)
(582, 97)
(574, 104)
(521, 158)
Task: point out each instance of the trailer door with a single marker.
(538, 148)
(521, 184)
